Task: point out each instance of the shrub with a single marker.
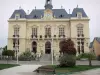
(8, 53)
(86, 55)
(67, 60)
(98, 57)
(27, 56)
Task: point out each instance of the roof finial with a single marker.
(69, 11)
(77, 6)
(20, 7)
(28, 12)
(35, 7)
(61, 7)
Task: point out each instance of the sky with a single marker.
(7, 7)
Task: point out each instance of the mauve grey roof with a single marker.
(21, 12)
(58, 13)
(75, 10)
(97, 38)
(37, 13)
(91, 45)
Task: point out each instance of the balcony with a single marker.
(15, 37)
(47, 37)
(34, 37)
(61, 37)
(80, 35)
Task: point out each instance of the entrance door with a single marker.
(47, 47)
(34, 47)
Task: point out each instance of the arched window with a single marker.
(47, 47)
(34, 47)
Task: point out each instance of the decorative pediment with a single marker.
(16, 26)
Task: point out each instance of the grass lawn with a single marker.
(4, 66)
(77, 68)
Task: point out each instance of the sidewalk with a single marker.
(20, 70)
(28, 70)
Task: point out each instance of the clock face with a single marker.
(48, 15)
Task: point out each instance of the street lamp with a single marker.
(17, 49)
(52, 50)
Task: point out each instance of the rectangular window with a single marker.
(17, 16)
(80, 31)
(79, 15)
(48, 31)
(16, 32)
(61, 32)
(34, 31)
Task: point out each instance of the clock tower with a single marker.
(48, 4)
(48, 10)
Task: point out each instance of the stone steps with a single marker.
(46, 57)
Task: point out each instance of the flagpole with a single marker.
(17, 49)
(52, 50)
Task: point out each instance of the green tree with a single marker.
(89, 56)
(8, 53)
(5, 48)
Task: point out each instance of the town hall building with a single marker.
(42, 30)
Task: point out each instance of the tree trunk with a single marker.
(90, 63)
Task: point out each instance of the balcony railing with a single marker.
(33, 36)
(15, 35)
(47, 36)
(62, 36)
(80, 35)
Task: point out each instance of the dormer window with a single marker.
(79, 15)
(61, 16)
(35, 16)
(17, 16)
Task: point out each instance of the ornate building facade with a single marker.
(42, 30)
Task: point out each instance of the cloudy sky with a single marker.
(7, 7)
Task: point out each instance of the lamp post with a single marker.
(17, 55)
(17, 49)
(52, 50)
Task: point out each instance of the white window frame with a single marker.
(17, 16)
(79, 15)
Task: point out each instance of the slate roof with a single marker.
(38, 13)
(74, 13)
(97, 39)
(91, 45)
(21, 12)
